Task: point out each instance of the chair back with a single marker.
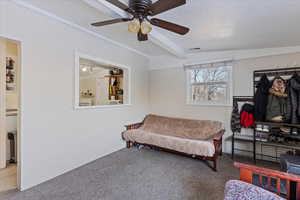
(248, 172)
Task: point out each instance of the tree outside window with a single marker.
(209, 85)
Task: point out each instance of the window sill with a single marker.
(102, 107)
(208, 104)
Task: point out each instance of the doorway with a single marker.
(9, 113)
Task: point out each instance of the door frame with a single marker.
(2, 103)
(20, 113)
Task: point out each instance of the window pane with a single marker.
(212, 92)
(205, 75)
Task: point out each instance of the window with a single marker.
(100, 84)
(209, 83)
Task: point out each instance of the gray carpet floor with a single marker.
(132, 174)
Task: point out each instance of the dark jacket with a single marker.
(261, 98)
(294, 98)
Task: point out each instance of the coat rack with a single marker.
(285, 73)
(236, 100)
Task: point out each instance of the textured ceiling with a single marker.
(235, 24)
(215, 25)
(82, 14)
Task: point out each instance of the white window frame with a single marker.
(229, 96)
(79, 55)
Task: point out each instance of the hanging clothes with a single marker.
(261, 98)
(247, 116)
(235, 118)
(277, 108)
(294, 98)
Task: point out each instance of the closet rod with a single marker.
(242, 98)
(278, 71)
(11, 114)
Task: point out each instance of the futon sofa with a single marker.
(196, 138)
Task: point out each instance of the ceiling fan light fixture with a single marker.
(134, 26)
(146, 27)
(140, 10)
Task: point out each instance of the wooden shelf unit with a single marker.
(112, 90)
(278, 124)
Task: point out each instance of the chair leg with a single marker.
(128, 144)
(215, 165)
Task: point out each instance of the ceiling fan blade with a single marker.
(164, 5)
(113, 21)
(141, 36)
(170, 26)
(121, 5)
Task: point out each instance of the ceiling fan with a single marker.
(140, 10)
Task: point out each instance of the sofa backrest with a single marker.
(183, 128)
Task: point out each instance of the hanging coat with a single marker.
(261, 98)
(294, 98)
(277, 101)
(247, 115)
(235, 118)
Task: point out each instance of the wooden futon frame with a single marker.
(217, 143)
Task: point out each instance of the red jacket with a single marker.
(247, 119)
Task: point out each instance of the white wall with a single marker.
(55, 137)
(168, 92)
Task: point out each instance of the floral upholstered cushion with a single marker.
(238, 190)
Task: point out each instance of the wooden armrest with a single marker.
(134, 126)
(219, 135)
(218, 142)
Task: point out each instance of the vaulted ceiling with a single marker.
(215, 25)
